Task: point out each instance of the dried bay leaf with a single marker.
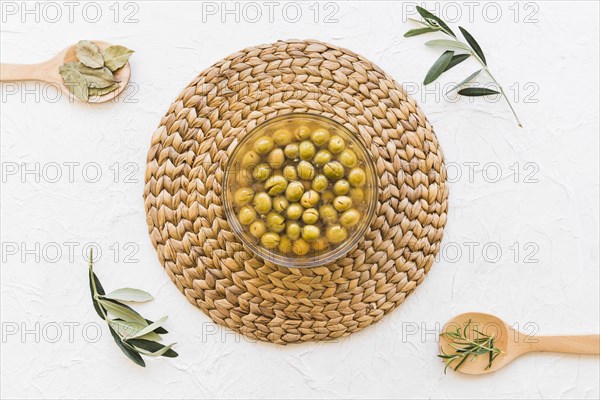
(74, 80)
(98, 78)
(89, 54)
(116, 56)
(97, 92)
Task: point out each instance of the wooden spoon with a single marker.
(511, 342)
(47, 71)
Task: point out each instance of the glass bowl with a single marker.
(300, 190)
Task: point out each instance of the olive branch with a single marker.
(134, 334)
(449, 59)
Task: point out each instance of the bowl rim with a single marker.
(318, 260)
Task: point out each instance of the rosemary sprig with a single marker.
(449, 59)
(466, 347)
(134, 334)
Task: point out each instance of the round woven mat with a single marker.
(183, 193)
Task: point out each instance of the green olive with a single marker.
(333, 170)
(276, 158)
(357, 195)
(280, 204)
(282, 137)
(310, 199)
(328, 214)
(261, 172)
(293, 230)
(294, 211)
(342, 203)
(247, 215)
(327, 196)
(257, 229)
(300, 247)
(320, 136)
(348, 158)
(263, 145)
(291, 151)
(305, 170)
(310, 233)
(270, 240)
(341, 187)
(244, 178)
(250, 159)
(320, 244)
(307, 185)
(336, 144)
(289, 172)
(306, 150)
(336, 234)
(243, 196)
(357, 177)
(276, 185)
(349, 218)
(322, 157)
(285, 245)
(320, 183)
(302, 132)
(294, 191)
(310, 216)
(275, 222)
(262, 203)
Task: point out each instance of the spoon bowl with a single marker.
(510, 342)
(47, 71)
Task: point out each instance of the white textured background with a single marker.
(541, 212)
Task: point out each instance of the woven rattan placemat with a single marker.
(183, 193)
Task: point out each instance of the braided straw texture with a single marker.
(183, 193)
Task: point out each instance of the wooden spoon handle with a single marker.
(585, 344)
(24, 72)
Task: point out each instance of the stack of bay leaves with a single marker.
(93, 74)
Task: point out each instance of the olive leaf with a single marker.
(151, 348)
(116, 56)
(87, 52)
(473, 43)
(160, 329)
(448, 44)
(130, 330)
(418, 22)
(457, 59)
(438, 67)
(124, 328)
(93, 281)
(476, 91)
(129, 294)
(118, 310)
(466, 80)
(150, 328)
(434, 20)
(419, 31)
(127, 349)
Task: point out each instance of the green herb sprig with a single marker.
(466, 347)
(93, 74)
(134, 334)
(449, 59)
